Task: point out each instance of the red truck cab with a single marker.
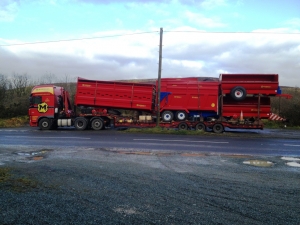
(47, 104)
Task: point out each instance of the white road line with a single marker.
(291, 145)
(49, 137)
(213, 142)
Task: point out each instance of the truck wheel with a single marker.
(182, 126)
(200, 127)
(218, 128)
(167, 116)
(238, 93)
(80, 123)
(97, 124)
(45, 124)
(181, 115)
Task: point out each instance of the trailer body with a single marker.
(189, 96)
(118, 95)
(241, 85)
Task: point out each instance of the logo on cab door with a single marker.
(43, 107)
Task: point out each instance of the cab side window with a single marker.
(35, 100)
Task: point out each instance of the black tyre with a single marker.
(167, 116)
(218, 128)
(45, 124)
(200, 126)
(80, 123)
(97, 124)
(182, 126)
(181, 115)
(238, 93)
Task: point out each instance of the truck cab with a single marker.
(49, 104)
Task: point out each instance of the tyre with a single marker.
(218, 128)
(238, 93)
(200, 127)
(80, 123)
(181, 115)
(167, 116)
(97, 124)
(45, 124)
(182, 126)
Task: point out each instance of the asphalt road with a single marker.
(262, 143)
(111, 177)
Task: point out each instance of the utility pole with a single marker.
(159, 78)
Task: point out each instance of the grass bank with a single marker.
(14, 122)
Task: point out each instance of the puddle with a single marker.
(33, 155)
(259, 163)
(193, 154)
(293, 164)
(290, 158)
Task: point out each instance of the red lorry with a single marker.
(233, 101)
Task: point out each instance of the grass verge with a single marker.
(11, 182)
(159, 130)
(14, 122)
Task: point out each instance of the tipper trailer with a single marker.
(236, 101)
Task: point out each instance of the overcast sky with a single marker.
(119, 39)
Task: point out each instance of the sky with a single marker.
(119, 39)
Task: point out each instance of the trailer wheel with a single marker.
(182, 126)
(97, 124)
(238, 93)
(45, 124)
(200, 127)
(80, 123)
(167, 116)
(218, 128)
(181, 115)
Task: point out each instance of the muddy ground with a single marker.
(119, 186)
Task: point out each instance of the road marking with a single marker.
(48, 137)
(291, 145)
(213, 142)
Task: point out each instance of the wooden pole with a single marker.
(159, 78)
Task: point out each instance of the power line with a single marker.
(77, 39)
(231, 32)
(120, 35)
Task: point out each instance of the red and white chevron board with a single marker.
(275, 117)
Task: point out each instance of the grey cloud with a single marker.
(239, 58)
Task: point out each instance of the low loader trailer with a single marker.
(236, 101)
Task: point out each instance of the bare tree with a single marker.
(20, 84)
(3, 88)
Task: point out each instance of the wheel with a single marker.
(45, 124)
(167, 116)
(181, 115)
(80, 123)
(200, 126)
(238, 93)
(182, 126)
(218, 128)
(97, 124)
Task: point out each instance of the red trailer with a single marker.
(117, 95)
(238, 86)
(250, 107)
(188, 96)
